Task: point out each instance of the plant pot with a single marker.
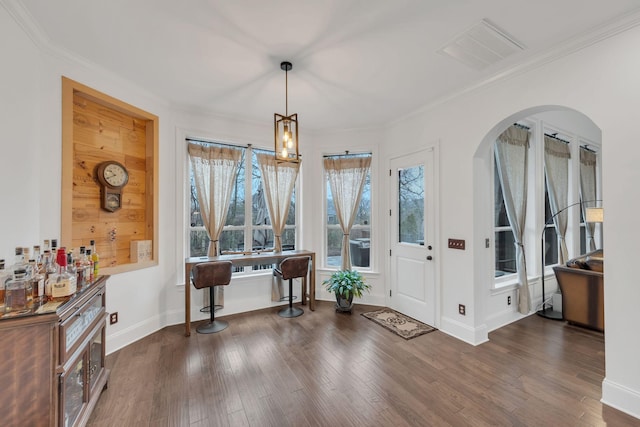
(344, 305)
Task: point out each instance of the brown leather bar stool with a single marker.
(209, 275)
(292, 268)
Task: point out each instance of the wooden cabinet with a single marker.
(52, 370)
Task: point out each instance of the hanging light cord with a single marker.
(286, 92)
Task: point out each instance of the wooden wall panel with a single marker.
(97, 128)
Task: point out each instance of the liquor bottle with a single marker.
(83, 266)
(90, 259)
(4, 276)
(37, 255)
(51, 269)
(19, 262)
(54, 247)
(16, 292)
(37, 283)
(33, 268)
(71, 264)
(62, 284)
(95, 258)
(26, 255)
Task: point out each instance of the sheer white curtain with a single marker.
(279, 180)
(214, 170)
(588, 191)
(346, 178)
(511, 152)
(556, 168)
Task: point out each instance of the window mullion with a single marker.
(248, 204)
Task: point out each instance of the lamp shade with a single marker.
(594, 215)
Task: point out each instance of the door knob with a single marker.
(429, 247)
(429, 258)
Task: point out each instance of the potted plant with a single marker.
(346, 284)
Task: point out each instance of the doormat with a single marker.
(398, 323)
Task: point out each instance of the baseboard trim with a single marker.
(466, 333)
(621, 398)
(503, 318)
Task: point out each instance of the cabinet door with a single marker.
(73, 329)
(96, 358)
(73, 392)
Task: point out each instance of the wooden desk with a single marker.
(244, 260)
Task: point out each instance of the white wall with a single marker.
(600, 81)
(20, 139)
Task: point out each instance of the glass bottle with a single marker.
(54, 247)
(26, 255)
(19, 262)
(71, 264)
(90, 269)
(31, 274)
(37, 283)
(16, 292)
(63, 284)
(51, 269)
(81, 267)
(95, 258)
(36, 253)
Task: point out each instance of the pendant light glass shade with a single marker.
(286, 128)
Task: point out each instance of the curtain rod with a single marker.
(346, 154)
(521, 126)
(218, 143)
(586, 147)
(556, 138)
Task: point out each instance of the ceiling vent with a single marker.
(482, 45)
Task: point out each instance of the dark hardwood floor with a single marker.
(330, 369)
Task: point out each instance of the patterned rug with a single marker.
(398, 323)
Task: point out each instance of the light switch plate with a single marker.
(456, 244)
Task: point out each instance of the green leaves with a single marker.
(345, 283)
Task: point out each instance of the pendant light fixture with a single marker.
(286, 127)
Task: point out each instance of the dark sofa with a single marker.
(581, 282)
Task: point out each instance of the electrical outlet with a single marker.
(113, 318)
(462, 309)
(509, 300)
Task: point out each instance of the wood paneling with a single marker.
(329, 369)
(97, 128)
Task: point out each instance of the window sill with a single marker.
(505, 287)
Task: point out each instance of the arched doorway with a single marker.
(495, 290)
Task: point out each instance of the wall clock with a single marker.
(112, 176)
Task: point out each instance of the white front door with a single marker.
(413, 291)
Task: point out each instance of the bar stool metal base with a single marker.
(290, 312)
(212, 327)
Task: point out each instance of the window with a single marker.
(550, 233)
(247, 226)
(505, 250)
(360, 235)
(539, 212)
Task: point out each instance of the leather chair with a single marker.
(289, 269)
(209, 275)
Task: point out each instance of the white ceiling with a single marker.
(356, 63)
